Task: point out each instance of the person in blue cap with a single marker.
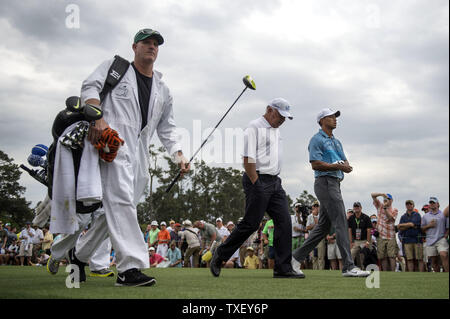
(387, 248)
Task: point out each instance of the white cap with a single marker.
(230, 223)
(327, 112)
(163, 223)
(154, 223)
(187, 222)
(282, 106)
(218, 219)
(151, 248)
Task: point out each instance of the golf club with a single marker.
(249, 84)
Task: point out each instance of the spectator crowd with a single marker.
(418, 242)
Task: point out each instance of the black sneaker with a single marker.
(74, 261)
(215, 265)
(134, 278)
(290, 274)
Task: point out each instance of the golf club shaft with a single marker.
(206, 139)
(33, 174)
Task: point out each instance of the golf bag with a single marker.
(75, 113)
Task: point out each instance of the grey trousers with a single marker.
(332, 212)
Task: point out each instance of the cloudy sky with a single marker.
(383, 64)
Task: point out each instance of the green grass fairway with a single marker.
(35, 282)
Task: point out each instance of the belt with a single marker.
(267, 175)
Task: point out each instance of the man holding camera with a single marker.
(387, 244)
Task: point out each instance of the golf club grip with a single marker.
(28, 170)
(173, 182)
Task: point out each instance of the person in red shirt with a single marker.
(163, 240)
(155, 258)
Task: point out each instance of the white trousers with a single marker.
(67, 242)
(95, 247)
(121, 214)
(96, 254)
(162, 249)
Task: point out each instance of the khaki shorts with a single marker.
(413, 251)
(357, 246)
(387, 248)
(333, 252)
(440, 246)
(26, 252)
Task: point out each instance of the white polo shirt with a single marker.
(263, 144)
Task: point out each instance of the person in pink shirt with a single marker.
(155, 258)
(387, 248)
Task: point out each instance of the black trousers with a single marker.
(266, 195)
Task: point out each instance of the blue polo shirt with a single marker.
(326, 149)
(411, 235)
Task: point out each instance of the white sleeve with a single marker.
(166, 129)
(93, 84)
(250, 139)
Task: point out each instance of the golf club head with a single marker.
(92, 112)
(73, 104)
(248, 81)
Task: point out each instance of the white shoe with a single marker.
(356, 272)
(296, 266)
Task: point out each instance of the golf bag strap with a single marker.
(116, 72)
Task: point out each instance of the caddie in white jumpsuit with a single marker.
(137, 107)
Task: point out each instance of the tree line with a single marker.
(206, 193)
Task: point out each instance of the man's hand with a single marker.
(96, 130)
(346, 168)
(185, 166)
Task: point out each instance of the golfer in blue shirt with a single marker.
(329, 163)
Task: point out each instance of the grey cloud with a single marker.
(207, 52)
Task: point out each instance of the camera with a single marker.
(304, 210)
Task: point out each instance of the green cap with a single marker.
(146, 33)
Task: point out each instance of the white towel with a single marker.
(63, 208)
(89, 187)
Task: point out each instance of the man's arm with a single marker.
(446, 211)
(405, 226)
(376, 202)
(166, 130)
(250, 169)
(432, 224)
(350, 237)
(265, 238)
(323, 166)
(369, 235)
(390, 216)
(249, 153)
(213, 239)
(309, 227)
(90, 94)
